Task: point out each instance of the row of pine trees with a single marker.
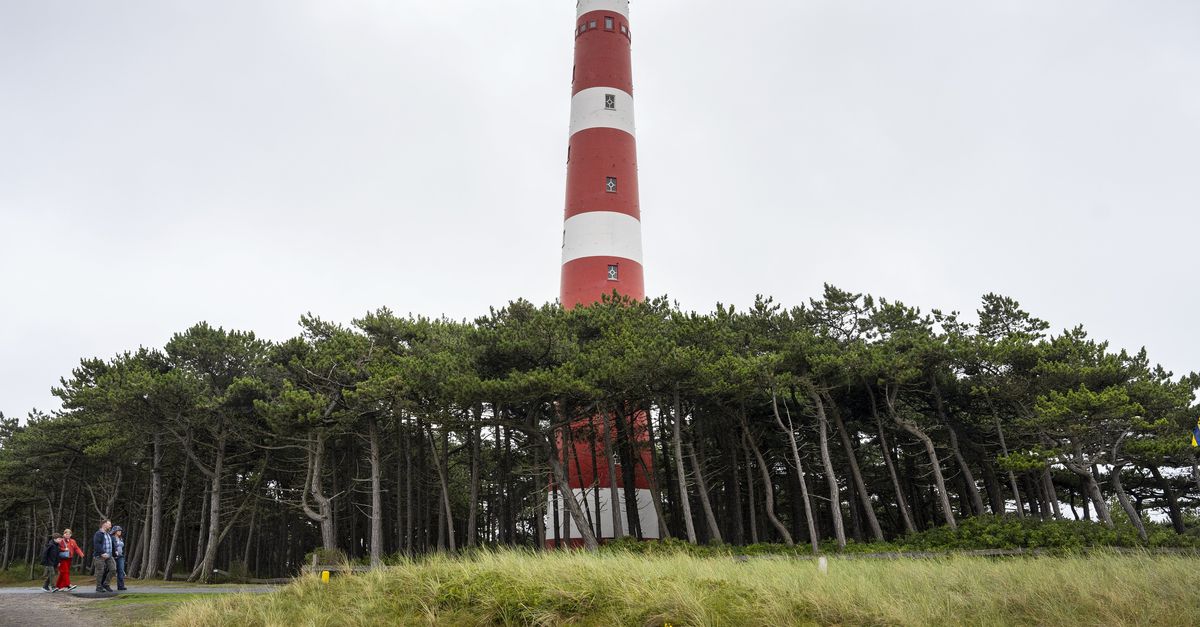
(848, 419)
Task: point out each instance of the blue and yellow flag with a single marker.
(1196, 434)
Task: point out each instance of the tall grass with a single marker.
(515, 588)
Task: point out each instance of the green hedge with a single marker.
(978, 533)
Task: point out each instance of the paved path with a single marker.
(150, 589)
(33, 607)
(43, 610)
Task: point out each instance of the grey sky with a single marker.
(245, 161)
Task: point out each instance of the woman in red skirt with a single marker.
(67, 549)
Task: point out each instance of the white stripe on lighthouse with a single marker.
(589, 110)
(602, 234)
(586, 498)
(616, 6)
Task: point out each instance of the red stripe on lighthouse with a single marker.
(602, 56)
(585, 281)
(598, 154)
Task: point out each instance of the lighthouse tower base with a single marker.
(586, 459)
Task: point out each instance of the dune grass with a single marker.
(515, 588)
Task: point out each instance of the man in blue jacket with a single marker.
(103, 563)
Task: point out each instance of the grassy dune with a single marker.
(514, 588)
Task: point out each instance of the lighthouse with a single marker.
(602, 231)
(606, 457)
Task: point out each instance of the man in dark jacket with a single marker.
(103, 563)
(50, 561)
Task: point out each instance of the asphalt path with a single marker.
(145, 590)
(34, 607)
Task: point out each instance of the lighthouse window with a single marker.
(608, 23)
(622, 29)
(610, 185)
(592, 24)
(610, 102)
(612, 272)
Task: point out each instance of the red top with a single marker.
(68, 544)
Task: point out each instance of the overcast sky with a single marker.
(243, 162)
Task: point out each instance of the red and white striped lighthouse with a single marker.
(602, 253)
(602, 234)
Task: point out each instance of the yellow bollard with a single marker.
(324, 576)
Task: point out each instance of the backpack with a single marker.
(49, 557)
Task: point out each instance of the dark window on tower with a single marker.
(608, 23)
(612, 272)
(610, 185)
(610, 102)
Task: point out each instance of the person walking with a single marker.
(67, 550)
(103, 563)
(118, 536)
(50, 562)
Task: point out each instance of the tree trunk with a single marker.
(768, 488)
(627, 450)
(1172, 500)
(614, 493)
(992, 485)
(658, 474)
(572, 505)
(1012, 477)
(593, 438)
(835, 491)
(178, 525)
(655, 500)
(734, 497)
(677, 446)
(714, 531)
(789, 429)
(313, 487)
(972, 488)
(156, 497)
(750, 500)
(886, 449)
(409, 505)
(473, 436)
(441, 464)
(139, 556)
(214, 515)
(198, 557)
(250, 531)
(1093, 490)
(1115, 479)
(1051, 493)
(939, 480)
(856, 474)
(376, 460)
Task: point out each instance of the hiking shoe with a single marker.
(100, 590)
(122, 589)
(69, 588)
(107, 589)
(46, 589)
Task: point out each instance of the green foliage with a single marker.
(906, 409)
(973, 534)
